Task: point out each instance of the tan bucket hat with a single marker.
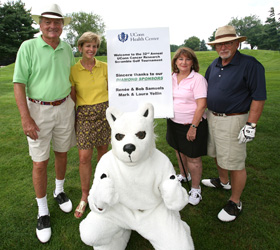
(225, 34)
(52, 11)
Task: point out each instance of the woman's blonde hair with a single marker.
(89, 37)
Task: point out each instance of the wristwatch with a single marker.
(193, 126)
(252, 124)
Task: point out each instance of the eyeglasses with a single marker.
(227, 44)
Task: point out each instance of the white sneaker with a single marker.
(63, 201)
(195, 196)
(182, 178)
(43, 229)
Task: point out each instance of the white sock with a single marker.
(59, 186)
(197, 189)
(224, 184)
(42, 206)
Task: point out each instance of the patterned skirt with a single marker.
(92, 127)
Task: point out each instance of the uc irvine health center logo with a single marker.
(123, 37)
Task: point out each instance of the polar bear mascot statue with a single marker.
(135, 188)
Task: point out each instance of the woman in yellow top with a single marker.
(89, 80)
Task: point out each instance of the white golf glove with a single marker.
(246, 134)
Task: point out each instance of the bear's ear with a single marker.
(112, 114)
(147, 110)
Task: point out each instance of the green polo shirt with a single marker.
(43, 70)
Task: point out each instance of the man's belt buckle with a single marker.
(37, 101)
(219, 114)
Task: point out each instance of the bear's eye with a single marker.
(141, 134)
(119, 137)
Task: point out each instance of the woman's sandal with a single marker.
(80, 209)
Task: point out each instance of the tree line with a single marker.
(16, 26)
(259, 36)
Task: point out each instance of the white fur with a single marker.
(135, 188)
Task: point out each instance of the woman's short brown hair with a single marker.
(89, 37)
(188, 53)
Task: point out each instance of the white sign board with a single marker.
(139, 70)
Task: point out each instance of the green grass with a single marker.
(257, 228)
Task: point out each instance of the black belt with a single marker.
(230, 114)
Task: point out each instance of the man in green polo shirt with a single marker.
(42, 88)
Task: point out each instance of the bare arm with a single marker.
(73, 94)
(255, 111)
(201, 106)
(30, 128)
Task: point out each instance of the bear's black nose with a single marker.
(129, 148)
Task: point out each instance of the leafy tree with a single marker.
(258, 35)
(102, 51)
(212, 38)
(192, 42)
(82, 22)
(249, 26)
(15, 27)
(202, 46)
(173, 47)
(272, 31)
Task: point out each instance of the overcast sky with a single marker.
(184, 18)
